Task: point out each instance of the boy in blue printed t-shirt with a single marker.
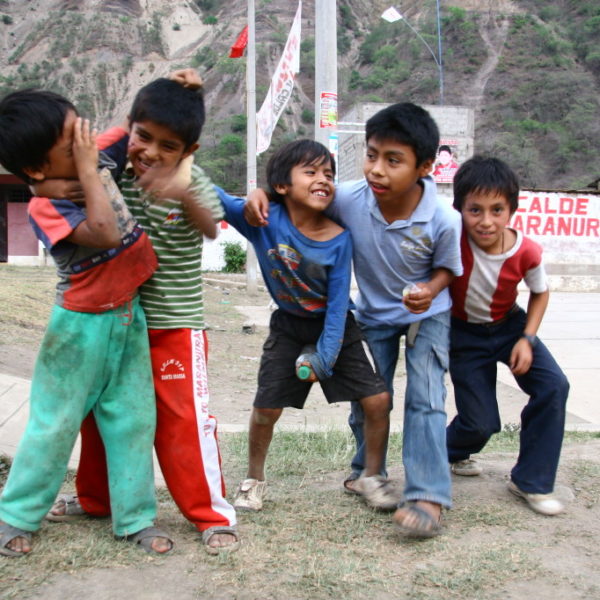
(305, 261)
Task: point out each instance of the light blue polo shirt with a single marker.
(388, 256)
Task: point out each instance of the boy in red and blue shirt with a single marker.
(155, 152)
(95, 354)
(489, 327)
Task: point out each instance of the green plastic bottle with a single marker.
(303, 371)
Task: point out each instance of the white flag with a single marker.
(281, 87)
(391, 15)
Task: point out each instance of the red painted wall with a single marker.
(21, 239)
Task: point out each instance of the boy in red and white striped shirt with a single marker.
(489, 327)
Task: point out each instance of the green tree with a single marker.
(239, 123)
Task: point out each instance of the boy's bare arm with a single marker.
(59, 188)
(521, 356)
(100, 229)
(188, 78)
(419, 302)
(256, 209)
(199, 216)
(175, 184)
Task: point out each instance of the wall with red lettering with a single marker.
(566, 225)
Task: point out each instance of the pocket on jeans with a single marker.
(437, 368)
(270, 342)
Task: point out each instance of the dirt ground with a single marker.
(519, 554)
(234, 350)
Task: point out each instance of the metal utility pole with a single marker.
(326, 104)
(440, 62)
(251, 262)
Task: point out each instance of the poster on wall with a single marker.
(446, 162)
(328, 113)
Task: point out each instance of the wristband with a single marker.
(532, 339)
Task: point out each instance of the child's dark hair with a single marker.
(408, 124)
(483, 174)
(168, 103)
(300, 152)
(31, 122)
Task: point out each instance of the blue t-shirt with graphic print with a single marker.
(305, 277)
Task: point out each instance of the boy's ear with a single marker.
(425, 167)
(281, 189)
(34, 174)
(190, 150)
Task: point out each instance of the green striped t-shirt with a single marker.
(172, 298)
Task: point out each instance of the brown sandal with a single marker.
(73, 511)
(146, 536)
(427, 525)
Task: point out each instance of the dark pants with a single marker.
(474, 352)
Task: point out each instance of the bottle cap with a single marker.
(411, 288)
(303, 372)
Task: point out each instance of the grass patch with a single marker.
(473, 573)
(70, 549)
(508, 439)
(484, 515)
(26, 296)
(312, 540)
(586, 481)
(307, 454)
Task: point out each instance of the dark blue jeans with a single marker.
(475, 351)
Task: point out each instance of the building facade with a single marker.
(18, 244)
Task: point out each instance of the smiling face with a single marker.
(312, 186)
(485, 217)
(152, 145)
(391, 169)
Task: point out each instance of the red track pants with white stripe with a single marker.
(186, 437)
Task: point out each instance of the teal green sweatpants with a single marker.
(98, 362)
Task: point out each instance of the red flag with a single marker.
(237, 50)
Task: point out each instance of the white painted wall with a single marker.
(212, 255)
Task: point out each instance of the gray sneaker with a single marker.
(250, 495)
(378, 492)
(466, 468)
(545, 504)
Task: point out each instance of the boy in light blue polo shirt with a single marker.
(402, 235)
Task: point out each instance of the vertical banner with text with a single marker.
(282, 85)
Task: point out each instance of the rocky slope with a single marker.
(529, 67)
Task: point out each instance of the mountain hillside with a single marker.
(529, 68)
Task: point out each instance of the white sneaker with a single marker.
(250, 495)
(378, 492)
(467, 468)
(545, 504)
